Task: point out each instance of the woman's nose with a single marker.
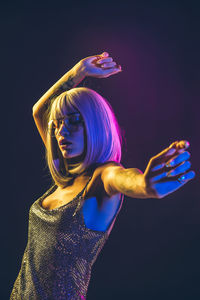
(63, 129)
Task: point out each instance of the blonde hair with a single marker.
(103, 134)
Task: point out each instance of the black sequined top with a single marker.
(60, 252)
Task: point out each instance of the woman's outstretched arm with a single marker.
(165, 173)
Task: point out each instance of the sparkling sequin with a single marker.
(59, 255)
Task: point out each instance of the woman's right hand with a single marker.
(99, 66)
(168, 171)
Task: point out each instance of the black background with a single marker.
(153, 251)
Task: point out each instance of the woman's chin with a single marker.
(65, 154)
(68, 155)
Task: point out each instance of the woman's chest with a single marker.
(98, 209)
(58, 199)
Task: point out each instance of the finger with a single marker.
(114, 71)
(158, 167)
(109, 65)
(183, 144)
(168, 151)
(105, 54)
(108, 72)
(163, 154)
(104, 60)
(95, 58)
(187, 176)
(161, 157)
(180, 151)
(180, 169)
(171, 163)
(178, 159)
(158, 177)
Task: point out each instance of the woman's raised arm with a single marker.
(99, 66)
(68, 81)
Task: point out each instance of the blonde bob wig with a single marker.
(103, 135)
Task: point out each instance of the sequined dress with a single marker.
(60, 252)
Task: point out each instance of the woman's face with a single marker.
(75, 136)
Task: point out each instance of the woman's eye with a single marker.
(74, 119)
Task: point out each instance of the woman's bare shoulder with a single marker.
(97, 185)
(106, 165)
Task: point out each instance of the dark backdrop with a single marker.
(154, 248)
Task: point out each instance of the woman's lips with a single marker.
(64, 146)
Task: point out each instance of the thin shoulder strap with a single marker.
(80, 198)
(81, 193)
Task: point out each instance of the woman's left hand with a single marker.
(168, 171)
(99, 66)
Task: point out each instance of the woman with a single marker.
(70, 223)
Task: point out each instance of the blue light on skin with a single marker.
(75, 150)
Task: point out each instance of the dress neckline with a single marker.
(78, 197)
(51, 190)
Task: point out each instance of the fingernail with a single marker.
(187, 144)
